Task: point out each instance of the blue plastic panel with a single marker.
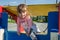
(12, 35)
(4, 20)
(53, 21)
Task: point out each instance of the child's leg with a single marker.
(28, 34)
(34, 28)
(33, 36)
(33, 32)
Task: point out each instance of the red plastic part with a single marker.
(1, 9)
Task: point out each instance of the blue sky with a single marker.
(28, 2)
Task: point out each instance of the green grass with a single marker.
(11, 21)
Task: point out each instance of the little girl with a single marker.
(24, 21)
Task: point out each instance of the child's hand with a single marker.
(28, 33)
(18, 33)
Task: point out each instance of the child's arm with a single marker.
(18, 26)
(29, 24)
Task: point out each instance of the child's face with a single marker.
(23, 13)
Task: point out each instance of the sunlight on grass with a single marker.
(11, 21)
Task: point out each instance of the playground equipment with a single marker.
(59, 20)
(3, 23)
(53, 28)
(1, 30)
(53, 25)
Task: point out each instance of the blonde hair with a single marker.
(21, 7)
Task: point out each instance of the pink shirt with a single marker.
(23, 24)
